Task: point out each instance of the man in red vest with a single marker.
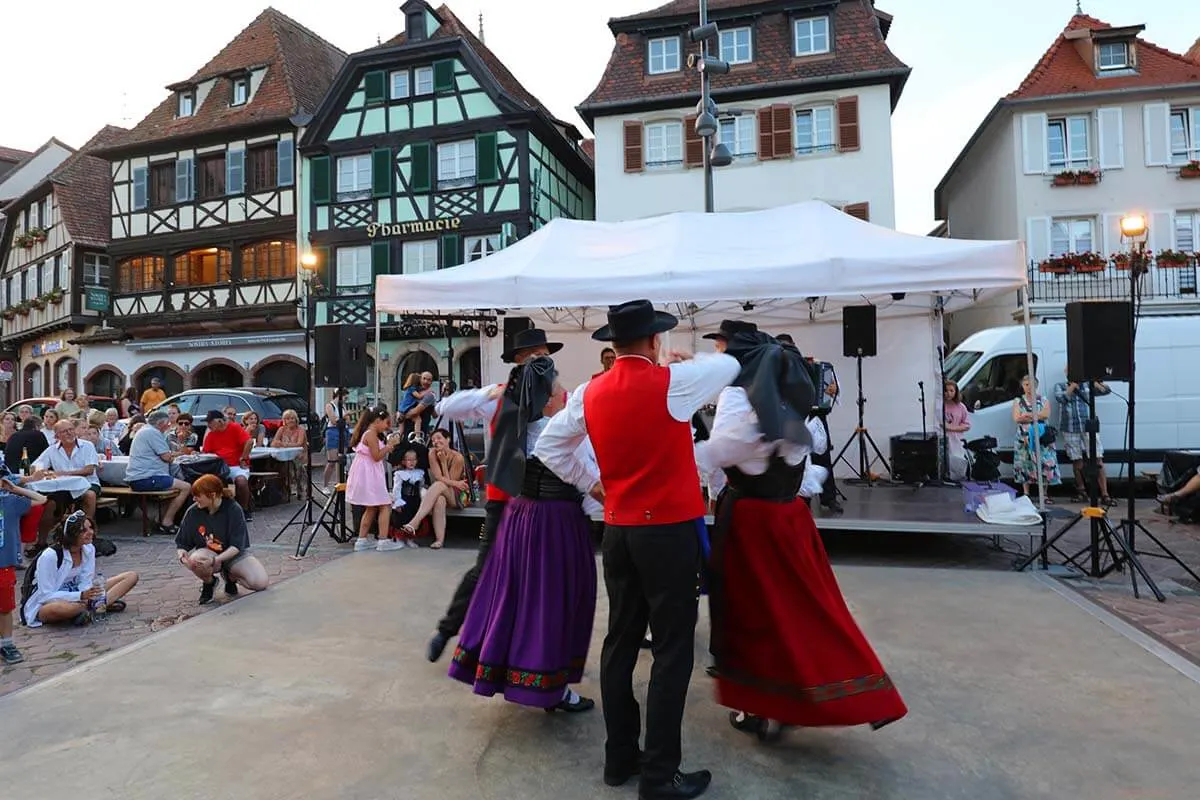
(638, 417)
(482, 404)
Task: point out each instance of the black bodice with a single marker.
(780, 482)
(542, 484)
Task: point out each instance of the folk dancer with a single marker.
(529, 623)
(482, 404)
(786, 649)
(651, 546)
(826, 397)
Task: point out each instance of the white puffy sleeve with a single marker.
(735, 437)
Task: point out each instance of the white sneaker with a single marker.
(362, 545)
(412, 543)
(387, 545)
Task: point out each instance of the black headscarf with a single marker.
(778, 384)
(529, 388)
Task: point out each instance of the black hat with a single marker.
(730, 327)
(213, 415)
(530, 337)
(786, 338)
(634, 320)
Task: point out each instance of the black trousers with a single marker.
(449, 625)
(650, 573)
(829, 494)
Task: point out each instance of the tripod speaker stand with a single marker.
(863, 437)
(331, 511)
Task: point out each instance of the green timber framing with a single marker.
(528, 168)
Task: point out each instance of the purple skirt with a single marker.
(529, 625)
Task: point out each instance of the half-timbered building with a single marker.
(428, 153)
(203, 220)
(53, 269)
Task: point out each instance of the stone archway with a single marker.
(105, 380)
(173, 381)
(218, 373)
(282, 372)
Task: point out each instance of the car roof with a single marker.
(241, 390)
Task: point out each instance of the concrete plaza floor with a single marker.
(318, 689)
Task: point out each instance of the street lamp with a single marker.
(707, 126)
(308, 260)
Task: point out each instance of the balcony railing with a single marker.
(1095, 278)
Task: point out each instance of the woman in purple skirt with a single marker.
(529, 625)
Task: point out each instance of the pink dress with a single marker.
(366, 483)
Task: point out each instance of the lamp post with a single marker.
(707, 125)
(1136, 231)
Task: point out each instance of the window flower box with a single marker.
(9, 313)
(54, 296)
(1190, 170)
(1055, 266)
(1065, 178)
(1121, 261)
(22, 308)
(1087, 177)
(1079, 263)
(39, 303)
(1173, 259)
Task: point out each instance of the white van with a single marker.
(988, 367)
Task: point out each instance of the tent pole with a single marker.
(1029, 365)
(378, 361)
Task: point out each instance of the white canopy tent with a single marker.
(779, 268)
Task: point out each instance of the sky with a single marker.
(94, 63)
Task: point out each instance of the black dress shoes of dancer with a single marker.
(573, 706)
(436, 645)
(618, 774)
(833, 508)
(681, 785)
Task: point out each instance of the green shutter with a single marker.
(381, 258)
(451, 255)
(487, 158)
(443, 75)
(422, 167)
(376, 86)
(319, 185)
(381, 172)
(325, 271)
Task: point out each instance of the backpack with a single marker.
(29, 585)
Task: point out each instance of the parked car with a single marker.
(40, 404)
(269, 404)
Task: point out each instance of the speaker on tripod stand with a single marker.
(859, 342)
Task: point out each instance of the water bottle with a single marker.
(99, 604)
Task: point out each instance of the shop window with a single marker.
(142, 274)
(269, 261)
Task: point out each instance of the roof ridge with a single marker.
(279, 56)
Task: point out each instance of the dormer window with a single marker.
(187, 103)
(1113, 55)
(241, 91)
(663, 55)
(811, 36)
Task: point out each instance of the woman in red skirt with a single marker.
(787, 651)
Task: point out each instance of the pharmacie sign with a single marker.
(376, 229)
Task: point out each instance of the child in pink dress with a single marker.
(366, 483)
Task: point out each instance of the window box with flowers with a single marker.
(1064, 178)
(1074, 263)
(1087, 177)
(54, 296)
(22, 308)
(9, 313)
(1190, 170)
(1121, 260)
(39, 303)
(1173, 259)
(31, 237)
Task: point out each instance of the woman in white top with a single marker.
(64, 575)
(335, 420)
(50, 418)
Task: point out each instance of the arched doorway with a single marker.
(286, 375)
(66, 374)
(33, 381)
(414, 361)
(217, 376)
(172, 381)
(470, 369)
(106, 383)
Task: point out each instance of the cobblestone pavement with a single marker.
(165, 594)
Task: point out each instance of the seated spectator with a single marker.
(230, 414)
(231, 442)
(66, 406)
(181, 436)
(172, 414)
(408, 487)
(95, 417)
(15, 503)
(254, 427)
(449, 489)
(113, 429)
(291, 434)
(62, 587)
(70, 456)
(135, 424)
(88, 433)
(28, 442)
(49, 420)
(149, 469)
(213, 540)
(85, 407)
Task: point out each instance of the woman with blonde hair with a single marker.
(290, 434)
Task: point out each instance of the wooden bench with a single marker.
(117, 492)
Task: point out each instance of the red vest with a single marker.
(491, 492)
(646, 457)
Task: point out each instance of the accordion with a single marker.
(826, 383)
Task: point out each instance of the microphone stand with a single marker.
(924, 431)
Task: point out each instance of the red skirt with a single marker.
(789, 648)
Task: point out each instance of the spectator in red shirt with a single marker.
(608, 357)
(231, 442)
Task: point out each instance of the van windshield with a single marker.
(958, 362)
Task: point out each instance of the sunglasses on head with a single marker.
(74, 517)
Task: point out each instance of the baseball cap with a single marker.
(213, 414)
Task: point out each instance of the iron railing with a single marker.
(1110, 283)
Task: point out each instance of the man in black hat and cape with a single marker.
(638, 417)
(483, 404)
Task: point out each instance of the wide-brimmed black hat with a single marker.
(730, 327)
(634, 320)
(523, 340)
(785, 338)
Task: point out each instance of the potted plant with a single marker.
(1173, 258)
(9, 313)
(1087, 177)
(54, 296)
(1090, 262)
(1121, 260)
(39, 303)
(1055, 266)
(1064, 178)
(22, 308)
(39, 234)
(1190, 170)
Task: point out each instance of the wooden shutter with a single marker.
(1033, 144)
(1037, 239)
(635, 160)
(141, 188)
(235, 172)
(859, 211)
(766, 138)
(451, 255)
(381, 258)
(1156, 123)
(381, 172)
(783, 116)
(487, 158)
(319, 185)
(443, 75)
(847, 123)
(421, 174)
(375, 83)
(285, 162)
(693, 143)
(1110, 133)
(184, 180)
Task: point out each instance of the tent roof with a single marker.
(808, 256)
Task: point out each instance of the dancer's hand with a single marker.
(675, 356)
(597, 492)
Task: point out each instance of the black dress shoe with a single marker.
(436, 645)
(682, 785)
(647, 644)
(833, 508)
(619, 774)
(582, 704)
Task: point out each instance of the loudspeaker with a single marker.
(340, 357)
(1099, 341)
(858, 331)
(914, 457)
(513, 326)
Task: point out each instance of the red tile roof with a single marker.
(859, 48)
(300, 66)
(13, 155)
(83, 187)
(1062, 71)
(588, 146)
(1193, 53)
